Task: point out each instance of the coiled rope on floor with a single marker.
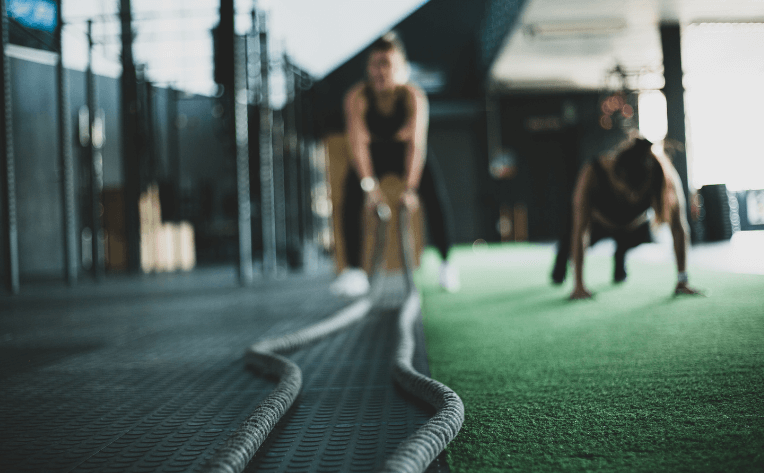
(241, 446)
(264, 358)
(419, 449)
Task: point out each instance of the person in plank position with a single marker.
(612, 198)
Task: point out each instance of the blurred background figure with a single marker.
(387, 119)
(203, 127)
(612, 198)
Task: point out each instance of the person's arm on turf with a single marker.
(581, 220)
(414, 134)
(679, 230)
(359, 139)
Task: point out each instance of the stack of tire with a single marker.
(716, 213)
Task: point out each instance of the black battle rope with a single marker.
(418, 450)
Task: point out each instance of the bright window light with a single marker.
(652, 115)
(724, 100)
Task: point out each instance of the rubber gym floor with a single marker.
(147, 374)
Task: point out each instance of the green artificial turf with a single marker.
(634, 380)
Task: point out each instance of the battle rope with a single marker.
(418, 450)
(241, 446)
(263, 357)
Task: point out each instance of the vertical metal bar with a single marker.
(173, 147)
(130, 161)
(291, 158)
(67, 161)
(279, 192)
(231, 71)
(268, 211)
(149, 128)
(96, 166)
(241, 127)
(11, 224)
(313, 173)
(674, 92)
(306, 211)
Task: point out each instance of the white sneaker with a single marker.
(449, 277)
(352, 282)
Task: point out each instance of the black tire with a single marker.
(717, 221)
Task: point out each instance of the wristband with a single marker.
(368, 184)
(682, 277)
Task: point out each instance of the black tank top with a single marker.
(384, 127)
(611, 204)
(387, 153)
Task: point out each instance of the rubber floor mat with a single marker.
(136, 378)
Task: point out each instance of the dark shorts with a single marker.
(625, 239)
(388, 157)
